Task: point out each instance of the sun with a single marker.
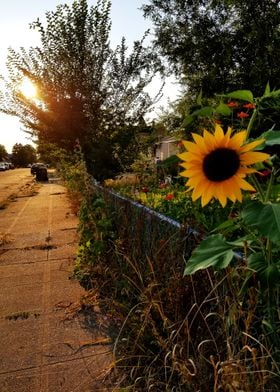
(28, 88)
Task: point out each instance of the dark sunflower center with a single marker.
(221, 164)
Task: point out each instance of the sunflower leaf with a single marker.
(223, 109)
(207, 111)
(271, 137)
(250, 213)
(214, 251)
(267, 90)
(188, 120)
(244, 95)
(264, 217)
(228, 225)
(268, 273)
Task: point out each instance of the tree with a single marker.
(22, 155)
(87, 91)
(219, 45)
(3, 152)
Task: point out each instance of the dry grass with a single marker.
(122, 181)
(197, 333)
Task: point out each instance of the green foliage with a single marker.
(271, 137)
(163, 322)
(269, 273)
(22, 155)
(265, 218)
(241, 39)
(214, 252)
(3, 152)
(244, 95)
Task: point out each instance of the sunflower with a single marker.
(216, 165)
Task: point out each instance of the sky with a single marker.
(15, 16)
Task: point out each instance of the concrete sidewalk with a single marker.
(46, 346)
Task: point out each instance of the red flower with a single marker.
(169, 196)
(162, 185)
(264, 173)
(145, 189)
(249, 106)
(242, 115)
(232, 104)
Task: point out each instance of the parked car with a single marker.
(6, 164)
(2, 166)
(40, 171)
(35, 166)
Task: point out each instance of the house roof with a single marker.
(168, 139)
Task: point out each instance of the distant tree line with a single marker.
(3, 153)
(21, 155)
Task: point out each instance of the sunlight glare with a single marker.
(28, 88)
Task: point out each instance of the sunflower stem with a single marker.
(269, 186)
(251, 122)
(258, 188)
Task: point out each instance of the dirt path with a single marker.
(12, 180)
(46, 346)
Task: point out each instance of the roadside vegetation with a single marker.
(190, 296)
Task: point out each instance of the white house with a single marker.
(166, 147)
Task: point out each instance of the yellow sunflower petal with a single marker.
(189, 157)
(222, 199)
(252, 145)
(246, 170)
(227, 191)
(237, 140)
(210, 141)
(219, 133)
(191, 164)
(191, 173)
(195, 181)
(208, 194)
(227, 136)
(245, 185)
(200, 141)
(198, 190)
(249, 158)
(234, 184)
(192, 147)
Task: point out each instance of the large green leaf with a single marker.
(244, 95)
(271, 137)
(257, 262)
(265, 217)
(268, 273)
(250, 213)
(214, 252)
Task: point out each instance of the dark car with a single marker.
(34, 167)
(2, 167)
(40, 171)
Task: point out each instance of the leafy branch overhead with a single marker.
(219, 46)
